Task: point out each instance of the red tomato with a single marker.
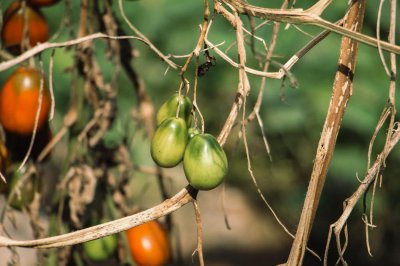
(42, 2)
(13, 26)
(19, 101)
(149, 244)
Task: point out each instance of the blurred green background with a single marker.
(292, 117)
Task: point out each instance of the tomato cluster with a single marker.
(204, 161)
(149, 244)
(18, 18)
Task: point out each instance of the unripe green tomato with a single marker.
(204, 162)
(26, 195)
(27, 192)
(100, 249)
(193, 132)
(169, 142)
(168, 109)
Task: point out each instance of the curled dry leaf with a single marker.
(81, 190)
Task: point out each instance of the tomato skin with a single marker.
(19, 101)
(149, 245)
(204, 162)
(13, 26)
(100, 249)
(169, 142)
(41, 3)
(169, 108)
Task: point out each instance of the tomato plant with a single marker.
(169, 108)
(169, 142)
(100, 249)
(19, 101)
(13, 26)
(149, 244)
(204, 162)
(42, 2)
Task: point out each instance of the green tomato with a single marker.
(169, 142)
(27, 192)
(100, 249)
(204, 162)
(168, 109)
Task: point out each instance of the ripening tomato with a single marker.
(19, 101)
(169, 142)
(42, 2)
(169, 108)
(13, 26)
(149, 244)
(204, 162)
(100, 249)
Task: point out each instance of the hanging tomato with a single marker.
(149, 245)
(15, 18)
(19, 100)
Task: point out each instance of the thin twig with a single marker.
(51, 87)
(47, 45)
(309, 16)
(199, 233)
(145, 39)
(351, 202)
(42, 87)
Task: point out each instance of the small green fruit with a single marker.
(169, 142)
(204, 162)
(100, 249)
(168, 109)
(27, 192)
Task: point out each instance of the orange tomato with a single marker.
(149, 244)
(13, 26)
(42, 2)
(19, 101)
